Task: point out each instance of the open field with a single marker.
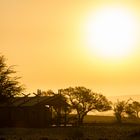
(94, 128)
(99, 119)
(96, 132)
(109, 120)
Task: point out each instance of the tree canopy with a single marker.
(83, 100)
(119, 110)
(133, 109)
(9, 84)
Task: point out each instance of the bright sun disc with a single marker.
(111, 32)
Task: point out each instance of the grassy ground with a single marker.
(100, 128)
(109, 119)
(97, 132)
(99, 119)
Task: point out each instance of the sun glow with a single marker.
(111, 32)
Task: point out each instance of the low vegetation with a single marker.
(95, 132)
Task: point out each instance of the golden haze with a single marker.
(45, 39)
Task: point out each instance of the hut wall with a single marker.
(25, 117)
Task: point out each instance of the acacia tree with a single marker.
(83, 100)
(9, 85)
(133, 109)
(119, 110)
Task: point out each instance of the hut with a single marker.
(27, 111)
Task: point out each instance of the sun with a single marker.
(111, 32)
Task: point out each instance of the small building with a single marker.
(27, 111)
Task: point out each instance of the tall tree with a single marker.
(83, 100)
(119, 109)
(9, 84)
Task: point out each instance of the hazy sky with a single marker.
(50, 41)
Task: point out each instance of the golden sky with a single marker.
(50, 41)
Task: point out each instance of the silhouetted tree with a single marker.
(61, 108)
(9, 85)
(49, 93)
(44, 93)
(133, 109)
(120, 109)
(83, 100)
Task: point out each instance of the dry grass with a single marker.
(99, 119)
(102, 128)
(97, 132)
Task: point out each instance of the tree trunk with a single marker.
(80, 119)
(118, 117)
(65, 119)
(137, 113)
